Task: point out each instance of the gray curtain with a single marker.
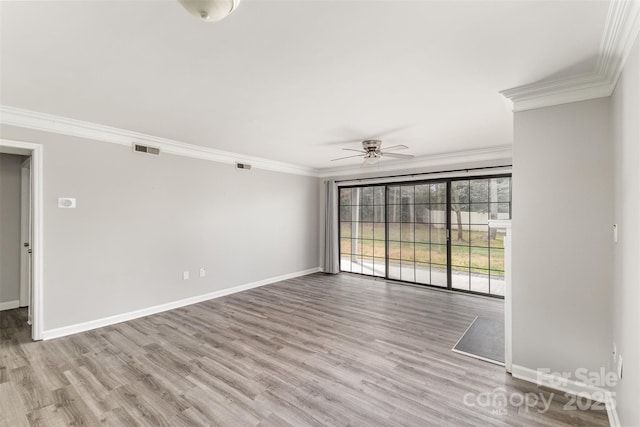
(331, 259)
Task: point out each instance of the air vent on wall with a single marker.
(139, 148)
(243, 166)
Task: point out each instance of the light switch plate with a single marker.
(615, 233)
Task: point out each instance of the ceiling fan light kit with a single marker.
(210, 10)
(371, 160)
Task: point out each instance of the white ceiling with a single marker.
(294, 81)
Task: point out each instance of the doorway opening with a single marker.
(22, 232)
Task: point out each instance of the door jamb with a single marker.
(25, 233)
(508, 295)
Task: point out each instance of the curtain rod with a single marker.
(423, 173)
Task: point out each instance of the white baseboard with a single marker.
(566, 385)
(111, 320)
(9, 305)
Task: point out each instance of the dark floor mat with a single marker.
(483, 339)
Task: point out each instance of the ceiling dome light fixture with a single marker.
(210, 10)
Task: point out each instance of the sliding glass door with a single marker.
(429, 232)
(417, 232)
(363, 230)
(477, 252)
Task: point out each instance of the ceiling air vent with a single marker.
(139, 148)
(243, 166)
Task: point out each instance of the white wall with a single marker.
(562, 237)
(625, 106)
(10, 175)
(142, 220)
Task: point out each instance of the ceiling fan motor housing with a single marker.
(371, 144)
(372, 148)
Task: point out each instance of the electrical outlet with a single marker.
(203, 272)
(185, 275)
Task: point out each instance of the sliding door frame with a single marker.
(448, 235)
(448, 181)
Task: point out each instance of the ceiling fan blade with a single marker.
(396, 148)
(398, 156)
(353, 149)
(348, 157)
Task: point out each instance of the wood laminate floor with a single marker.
(319, 350)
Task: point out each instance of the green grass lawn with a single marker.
(476, 251)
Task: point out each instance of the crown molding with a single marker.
(502, 152)
(94, 132)
(621, 30)
(560, 91)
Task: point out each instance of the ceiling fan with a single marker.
(373, 153)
